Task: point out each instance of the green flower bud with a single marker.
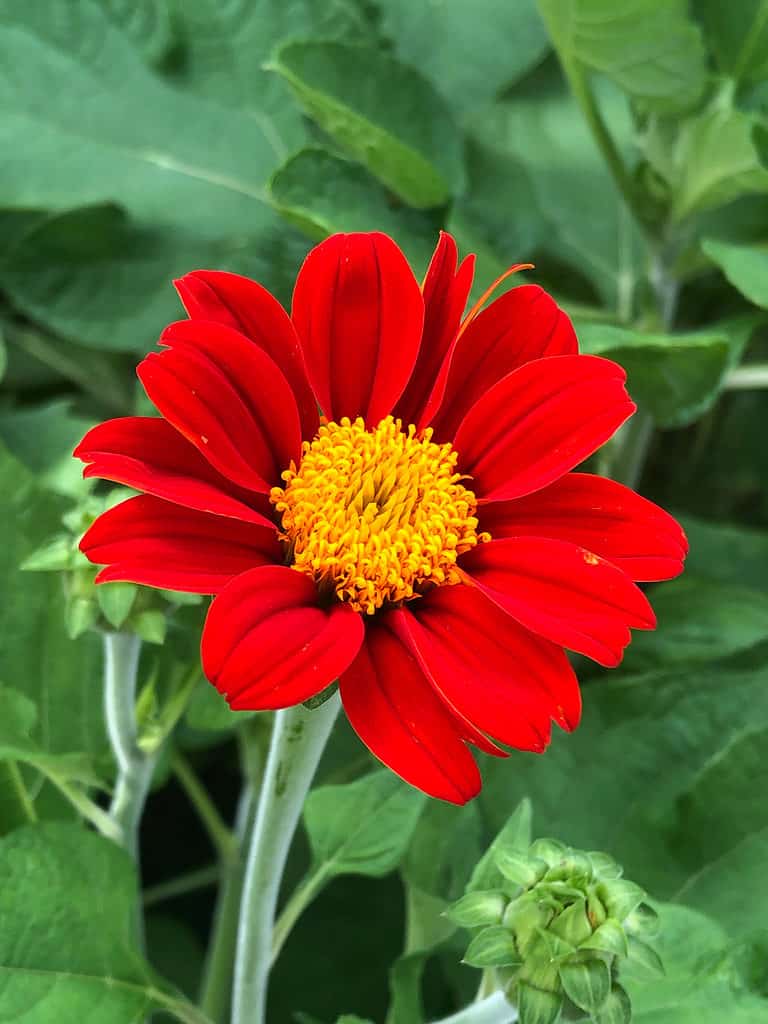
(557, 932)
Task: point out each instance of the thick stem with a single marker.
(216, 988)
(745, 378)
(298, 739)
(494, 1009)
(134, 768)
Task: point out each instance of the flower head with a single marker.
(422, 538)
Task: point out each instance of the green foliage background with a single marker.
(622, 148)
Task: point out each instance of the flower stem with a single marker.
(494, 1009)
(216, 987)
(298, 739)
(134, 768)
(221, 837)
(754, 375)
(16, 806)
(191, 881)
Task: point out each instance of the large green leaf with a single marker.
(322, 193)
(402, 133)
(148, 23)
(700, 620)
(62, 677)
(190, 177)
(468, 51)
(42, 438)
(67, 950)
(727, 553)
(745, 266)
(545, 134)
(648, 47)
(698, 985)
(737, 35)
(675, 377)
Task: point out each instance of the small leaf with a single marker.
(519, 868)
(645, 956)
(493, 947)
(150, 625)
(549, 850)
(537, 1007)
(604, 865)
(572, 924)
(56, 554)
(608, 938)
(478, 908)
(586, 984)
(515, 836)
(80, 615)
(557, 948)
(616, 1009)
(745, 266)
(620, 897)
(116, 601)
(364, 827)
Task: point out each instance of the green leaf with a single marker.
(42, 437)
(514, 837)
(650, 48)
(675, 377)
(700, 620)
(644, 956)
(322, 193)
(609, 937)
(617, 1008)
(543, 132)
(519, 868)
(403, 134)
(148, 24)
(587, 984)
(745, 266)
(18, 717)
(468, 52)
(116, 601)
(537, 1007)
(150, 625)
(84, 953)
(715, 161)
(698, 984)
(727, 553)
(492, 947)
(61, 677)
(478, 908)
(208, 711)
(362, 828)
(738, 36)
(620, 897)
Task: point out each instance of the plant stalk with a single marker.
(134, 767)
(16, 805)
(298, 739)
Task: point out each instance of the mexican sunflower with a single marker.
(379, 489)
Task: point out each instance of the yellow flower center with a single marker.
(376, 516)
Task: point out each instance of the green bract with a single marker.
(557, 932)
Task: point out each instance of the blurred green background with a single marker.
(623, 149)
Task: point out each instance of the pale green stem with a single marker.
(216, 986)
(298, 739)
(494, 1009)
(300, 899)
(134, 767)
(745, 378)
(191, 881)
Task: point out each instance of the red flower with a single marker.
(426, 543)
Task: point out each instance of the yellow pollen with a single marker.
(376, 516)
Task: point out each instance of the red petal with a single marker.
(562, 592)
(359, 313)
(151, 541)
(523, 324)
(228, 398)
(148, 454)
(239, 302)
(267, 644)
(539, 422)
(397, 714)
(445, 293)
(600, 515)
(503, 678)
